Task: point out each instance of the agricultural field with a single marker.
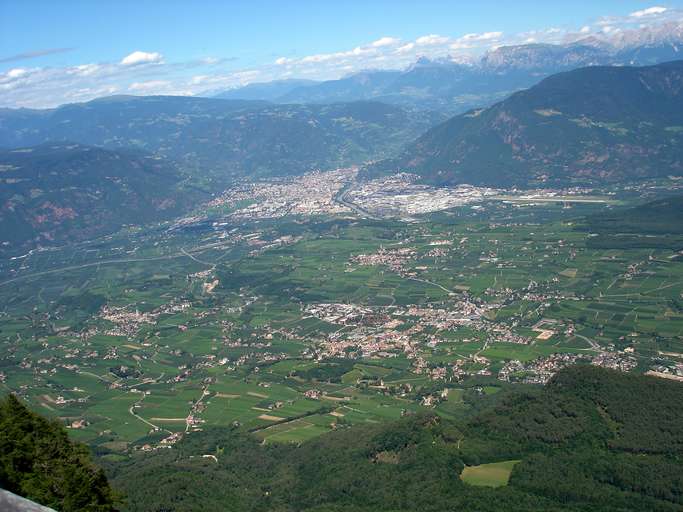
(292, 327)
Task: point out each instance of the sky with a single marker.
(55, 52)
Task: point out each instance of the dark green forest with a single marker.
(592, 439)
(39, 462)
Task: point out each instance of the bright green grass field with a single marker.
(495, 474)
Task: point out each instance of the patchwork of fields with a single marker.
(290, 328)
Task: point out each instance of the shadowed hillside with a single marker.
(592, 125)
(55, 193)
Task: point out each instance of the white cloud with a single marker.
(199, 79)
(469, 41)
(405, 48)
(18, 77)
(431, 40)
(16, 73)
(225, 81)
(648, 12)
(138, 57)
(245, 76)
(149, 85)
(338, 57)
(485, 36)
(322, 57)
(87, 93)
(85, 69)
(585, 29)
(385, 41)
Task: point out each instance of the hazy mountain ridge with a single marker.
(226, 138)
(269, 91)
(114, 121)
(592, 124)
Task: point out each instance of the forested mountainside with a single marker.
(591, 125)
(55, 193)
(593, 439)
(39, 462)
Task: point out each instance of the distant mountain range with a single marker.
(591, 125)
(83, 170)
(269, 91)
(454, 87)
(56, 193)
(224, 139)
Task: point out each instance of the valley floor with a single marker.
(296, 316)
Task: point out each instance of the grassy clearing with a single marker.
(496, 474)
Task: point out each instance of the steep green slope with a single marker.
(38, 461)
(225, 137)
(592, 125)
(593, 439)
(59, 193)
